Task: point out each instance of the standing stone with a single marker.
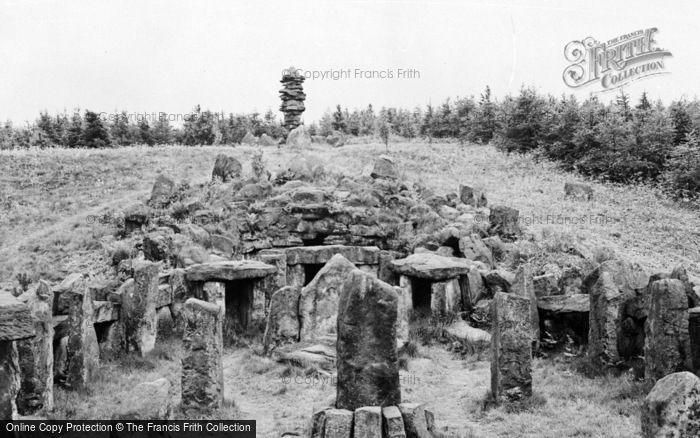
(524, 286)
(667, 342)
(385, 273)
(82, 351)
(504, 221)
(226, 168)
(161, 192)
(139, 309)
(179, 290)
(393, 422)
(9, 380)
(604, 315)
(672, 407)
(385, 168)
(282, 319)
(367, 358)
(694, 332)
(403, 315)
(511, 348)
(299, 137)
(36, 354)
(202, 365)
(414, 420)
(318, 304)
(113, 340)
(368, 422)
(265, 288)
(445, 297)
(473, 288)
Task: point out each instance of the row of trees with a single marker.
(98, 130)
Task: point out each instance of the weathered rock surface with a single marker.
(565, 303)
(226, 168)
(82, 350)
(672, 408)
(139, 308)
(9, 380)
(504, 221)
(283, 318)
(471, 196)
(299, 137)
(473, 248)
(228, 270)
(318, 304)
(385, 167)
(604, 316)
(523, 286)
(36, 354)
(393, 422)
(161, 192)
(667, 343)
(202, 366)
(15, 318)
(431, 266)
(319, 255)
(368, 422)
(147, 401)
(368, 373)
(414, 420)
(445, 297)
(511, 348)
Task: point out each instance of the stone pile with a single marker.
(293, 96)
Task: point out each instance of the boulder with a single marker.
(162, 191)
(299, 137)
(226, 168)
(504, 221)
(511, 348)
(191, 255)
(578, 190)
(157, 246)
(368, 369)
(147, 401)
(667, 342)
(337, 139)
(545, 285)
(385, 168)
(282, 319)
(473, 248)
(266, 140)
(202, 380)
(431, 266)
(318, 304)
(672, 407)
(249, 139)
(499, 280)
(462, 332)
(393, 422)
(470, 196)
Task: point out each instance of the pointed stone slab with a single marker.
(15, 319)
(431, 266)
(229, 270)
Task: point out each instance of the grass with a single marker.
(47, 196)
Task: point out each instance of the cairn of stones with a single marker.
(292, 95)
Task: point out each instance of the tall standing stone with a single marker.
(283, 318)
(367, 358)
(524, 286)
(36, 354)
(292, 96)
(511, 348)
(667, 342)
(604, 320)
(9, 380)
(202, 365)
(82, 350)
(139, 308)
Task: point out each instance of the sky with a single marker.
(168, 56)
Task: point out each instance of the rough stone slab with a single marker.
(105, 311)
(511, 348)
(473, 288)
(672, 407)
(393, 423)
(445, 297)
(368, 422)
(565, 303)
(228, 270)
(604, 317)
(36, 354)
(202, 380)
(320, 255)
(138, 310)
(338, 424)
(15, 319)
(667, 342)
(9, 380)
(265, 288)
(414, 420)
(318, 303)
(368, 371)
(431, 266)
(82, 350)
(283, 318)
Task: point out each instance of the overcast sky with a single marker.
(167, 56)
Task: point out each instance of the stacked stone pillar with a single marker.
(667, 343)
(511, 348)
(292, 95)
(202, 365)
